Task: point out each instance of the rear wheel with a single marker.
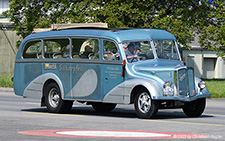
(103, 107)
(53, 100)
(144, 106)
(194, 108)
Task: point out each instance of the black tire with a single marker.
(53, 100)
(144, 106)
(103, 107)
(194, 108)
(68, 106)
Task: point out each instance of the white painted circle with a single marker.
(123, 134)
(116, 134)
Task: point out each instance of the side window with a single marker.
(56, 48)
(32, 49)
(85, 48)
(110, 51)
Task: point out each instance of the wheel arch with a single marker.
(52, 78)
(152, 87)
(135, 91)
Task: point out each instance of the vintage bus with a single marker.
(100, 67)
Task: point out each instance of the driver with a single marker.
(130, 54)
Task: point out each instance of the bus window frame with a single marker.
(87, 38)
(118, 50)
(99, 60)
(53, 38)
(24, 45)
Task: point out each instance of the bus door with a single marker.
(111, 69)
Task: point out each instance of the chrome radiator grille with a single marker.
(184, 82)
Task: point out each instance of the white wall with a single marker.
(205, 63)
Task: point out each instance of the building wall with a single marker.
(8, 51)
(205, 63)
(8, 39)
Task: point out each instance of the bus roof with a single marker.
(118, 35)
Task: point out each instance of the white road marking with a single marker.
(112, 134)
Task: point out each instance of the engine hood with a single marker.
(157, 65)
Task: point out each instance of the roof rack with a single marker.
(73, 26)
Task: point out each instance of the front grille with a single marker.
(184, 82)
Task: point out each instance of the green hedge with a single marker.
(5, 80)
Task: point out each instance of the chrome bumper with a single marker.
(180, 98)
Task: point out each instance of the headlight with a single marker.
(201, 85)
(166, 85)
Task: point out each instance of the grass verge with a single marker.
(216, 87)
(5, 80)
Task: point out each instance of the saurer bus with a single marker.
(104, 67)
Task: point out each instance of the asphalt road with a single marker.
(19, 118)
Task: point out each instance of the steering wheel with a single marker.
(135, 58)
(142, 58)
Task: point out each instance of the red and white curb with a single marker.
(116, 134)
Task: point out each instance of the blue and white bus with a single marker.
(100, 67)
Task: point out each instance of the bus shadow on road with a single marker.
(117, 112)
(87, 111)
(176, 115)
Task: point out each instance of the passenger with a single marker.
(137, 49)
(125, 47)
(66, 53)
(130, 54)
(88, 50)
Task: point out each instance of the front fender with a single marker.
(153, 87)
(122, 92)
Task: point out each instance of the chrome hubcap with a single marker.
(54, 97)
(144, 102)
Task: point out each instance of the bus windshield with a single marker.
(142, 50)
(138, 51)
(166, 49)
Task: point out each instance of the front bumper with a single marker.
(182, 98)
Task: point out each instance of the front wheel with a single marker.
(53, 100)
(194, 108)
(144, 106)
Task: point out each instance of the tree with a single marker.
(182, 18)
(213, 34)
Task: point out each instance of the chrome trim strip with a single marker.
(68, 61)
(34, 90)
